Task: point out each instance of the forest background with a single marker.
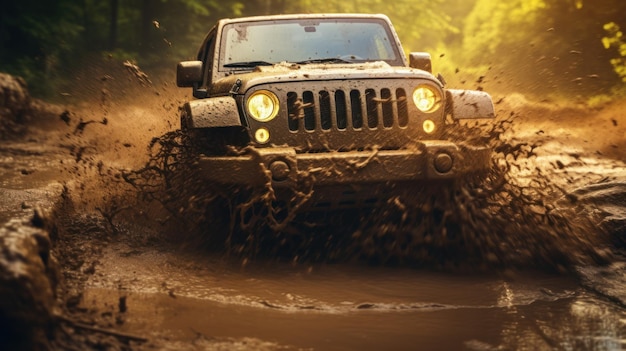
(551, 49)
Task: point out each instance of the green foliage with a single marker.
(197, 7)
(119, 55)
(615, 40)
(40, 37)
(542, 46)
(178, 27)
(496, 25)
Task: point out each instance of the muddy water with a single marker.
(172, 295)
(348, 307)
(177, 299)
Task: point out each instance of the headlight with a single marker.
(263, 105)
(426, 98)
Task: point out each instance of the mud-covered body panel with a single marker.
(283, 167)
(326, 121)
(211, 113)
(291, 72)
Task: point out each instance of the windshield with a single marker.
(306, 41)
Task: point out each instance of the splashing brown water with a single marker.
(483, 221)
(496, 219)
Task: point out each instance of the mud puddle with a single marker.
(189, 298)
(173, 298)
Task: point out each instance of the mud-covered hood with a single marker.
(291, 72)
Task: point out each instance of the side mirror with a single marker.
(189, 74)
(421, 60)
(469, 104)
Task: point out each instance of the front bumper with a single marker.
(283, 167)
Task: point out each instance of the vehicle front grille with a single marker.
(351, 109)
(346, 115)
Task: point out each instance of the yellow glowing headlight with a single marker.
(263, 105)
(426, 98)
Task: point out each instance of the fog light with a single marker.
(262, 135)
(429, 126)
(443, 163)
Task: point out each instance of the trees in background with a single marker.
(569, 46)
(615, 40)
(35, 36)
(40, 38)
(545, 46)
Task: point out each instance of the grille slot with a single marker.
(342, 110)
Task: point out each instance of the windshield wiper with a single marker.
(249, 64)
(324, 60)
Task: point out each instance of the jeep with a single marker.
(326, 100)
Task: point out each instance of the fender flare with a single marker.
(470, 104)
(211, 113)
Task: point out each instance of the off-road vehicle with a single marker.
(325, 101)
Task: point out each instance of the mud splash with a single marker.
(492, 220)
(509, 217)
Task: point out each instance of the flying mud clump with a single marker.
(491, 220)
